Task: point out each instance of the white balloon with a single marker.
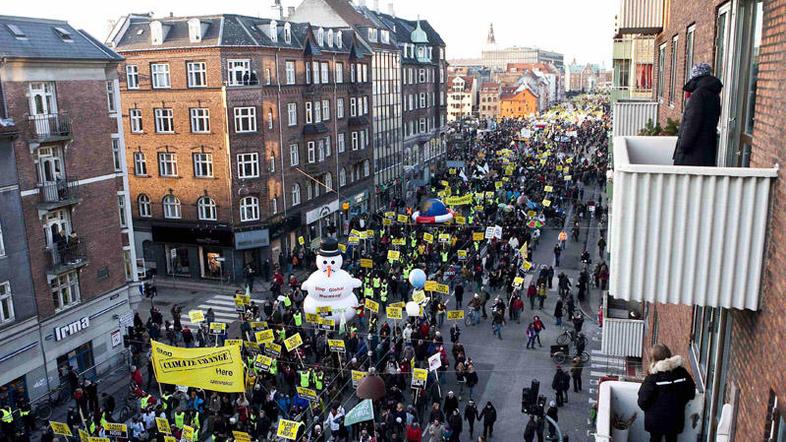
(413, 308)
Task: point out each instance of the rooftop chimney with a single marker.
(391, 10)
(376, 5)
(290, 11)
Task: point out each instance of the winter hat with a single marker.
(700, 69)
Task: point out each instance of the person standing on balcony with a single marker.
(664, 394)
(697, 142)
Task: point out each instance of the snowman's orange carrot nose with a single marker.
(329, 271)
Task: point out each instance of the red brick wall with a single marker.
(88, 155)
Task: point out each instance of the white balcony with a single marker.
(621, 399)
(686, 235)
(640, 17)
(622, 337)
(630, 117)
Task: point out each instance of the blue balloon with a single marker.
(433, 207)
(417, 278)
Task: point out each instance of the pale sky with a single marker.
(577, 28)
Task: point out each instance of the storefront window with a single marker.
(179, 263)
(212, 263)
(81, 359)
(13, 393)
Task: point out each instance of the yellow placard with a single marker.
(518, 280)
(188, 433)
(354, 240)
(99, 439)
(307, 393)
(444, 237)
(263, 362)
(115, 429)
(419, 376)
(399, 304)
(196, 316)
(366, 263)
(546, 203)
(369, 234)
(325, 322)
(357, 376)
(241, 436)
(526, 265)
(559, 168)
(505, 179)
(429, 286)
(460, 220)
(442, 288)
(251, 345)
(429, 238)
(489, 195)
(273, 349)
(418, 296)
(454, 315)
(569, 160)
(399, 241)
(498, 185)
(372, 305)
(459, 200)
(325, 310)
(548, 189)
(337, 345)
(402, 218)
(293, 342)
(258, 325)
(166, 439)
(387, 222)
(229, 342)
(60, 428)
(390, 214)
(568, 178)
(312, 318)
(83, 435)
(363, 235)
(163, 425)
(264, 336)
(452, 171)
(301, 240)
(287, 429)
(478, 236)
(393, 255)
(354, 232)
(393, 312)
(210, 368)
(218, 327)
(531, 213)
(343, 248)
(462, 254)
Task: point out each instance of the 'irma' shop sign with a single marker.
(73, 328)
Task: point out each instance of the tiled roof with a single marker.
(35, 38)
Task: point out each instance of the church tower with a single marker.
(490, 40)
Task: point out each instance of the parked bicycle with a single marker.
(569, 336)
(55, 398)
(560, 354)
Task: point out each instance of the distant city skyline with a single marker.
(582, 32)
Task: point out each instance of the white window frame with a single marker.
(121, 209)
(295, 194)
(111, 102)
(248, 165)
(65, 283)
(207, 209)
(200, 120)
(317, 112)
(325, 110)
(311, 152)
(309, 112)
(116, 155)
(339, 73)
(342, 177)
(315, 71)
(339, 108)
(325, 72)
(327, 146)
(245, 119)
(340, 143)
(167, 164)
(143, 206)
(203, 164)
(274, 205)
(294, 154)
(249, 209)
(173, 209)
(321, 150)
(240, 66)
(290, 72)
(353, 107)
(292, 114)
(140, 164)
(165, 120)
(196, 72)
(354, 141)
(135, 121)
(159, 73)
(132, 76)
(6, 303)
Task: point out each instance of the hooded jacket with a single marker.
(664, 394)
(697, 141)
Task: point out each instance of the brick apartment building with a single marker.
(67, 264)
(249, 137)
(734, 354)
(488, 101)
(388, 37)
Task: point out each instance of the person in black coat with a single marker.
(697, 142)
(471, 415)
(489, 416)
(664, 394)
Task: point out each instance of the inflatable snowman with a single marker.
(330, 285)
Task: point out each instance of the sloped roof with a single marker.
(44, 39)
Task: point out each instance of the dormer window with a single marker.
(385, 36)
(273, 33)
(63, 33)
(420, 51)
(330, 38)
(287, 33)
(430, 52)
(194, 30)
(372, 34)
(339, 39)
(321, 37)
(156, 32)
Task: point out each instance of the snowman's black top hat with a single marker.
(328, 247)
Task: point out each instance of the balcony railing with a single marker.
(629, 117)
(69, 255)
(686, 235)
(59, 193)
(621, 399)
(45, 127)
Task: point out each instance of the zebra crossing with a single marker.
(603, 365)
(223, 306)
